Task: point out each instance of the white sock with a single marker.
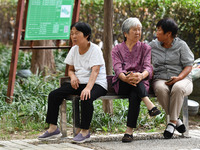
(179, 122)
(170, 128)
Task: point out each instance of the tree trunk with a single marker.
(43, 59)
(107, 47)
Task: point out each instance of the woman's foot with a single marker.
(154, 111)
(127, 138)
(50, 135)
(180, 127)
(81, 138)
(169, 131)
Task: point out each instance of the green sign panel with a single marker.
(49, 19)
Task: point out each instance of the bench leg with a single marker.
(108, 106)
(63, 119)
(185, 116)
(76, 114)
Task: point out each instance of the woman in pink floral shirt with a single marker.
(133, 70)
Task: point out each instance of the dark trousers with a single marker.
(134, 94)
(56, 97)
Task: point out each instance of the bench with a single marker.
(109, 96)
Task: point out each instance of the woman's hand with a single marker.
(134, 78)
(74, 82)
(181, 76)
(85, 94)
(173, 80)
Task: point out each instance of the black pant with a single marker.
(56, 97)
(134, 94)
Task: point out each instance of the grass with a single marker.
(25, 117)
(116, 123)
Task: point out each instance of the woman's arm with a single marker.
(117, 61)
(85, 94)
(147, 66)
(74, 79)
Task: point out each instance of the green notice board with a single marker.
(49, 19)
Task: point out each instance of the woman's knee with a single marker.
(177, 89)
(52, 94)
(184, 89)
(55, 96)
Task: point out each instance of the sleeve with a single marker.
(96, 58)
(147, 61)
(187, 57)
(117, 62)
(70, 57)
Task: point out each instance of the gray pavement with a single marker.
(155, 142)
(142, 141)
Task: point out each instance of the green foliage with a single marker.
(185, 13)
(29, 107)
(116, 123)
(7, 16)
(29, 103)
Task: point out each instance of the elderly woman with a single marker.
(88, 79)
(172, 62)
(132, 66)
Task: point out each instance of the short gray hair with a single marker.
(129, 23)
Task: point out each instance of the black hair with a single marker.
(168, 25)
(84, 28)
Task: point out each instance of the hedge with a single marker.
(185, 13)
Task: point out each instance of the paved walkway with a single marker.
(142, 141)
(34, 144)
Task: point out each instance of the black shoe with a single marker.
(154, 111)
(167, 134)
(181, 128)
(127, 138)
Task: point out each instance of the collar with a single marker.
(173, 42)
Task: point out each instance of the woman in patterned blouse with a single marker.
(133, 70)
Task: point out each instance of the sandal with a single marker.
(127, 138)
(154, 111)
(167, 134)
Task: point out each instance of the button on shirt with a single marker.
(168, 62)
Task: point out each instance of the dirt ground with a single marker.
(194, 123)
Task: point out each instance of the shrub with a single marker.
(185, 13)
